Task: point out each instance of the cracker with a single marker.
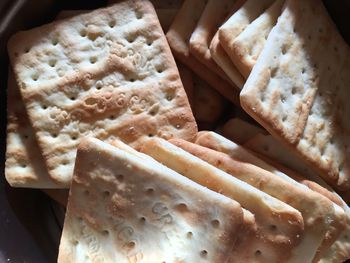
(123, 208)
(108, 74)
(276, 243)
(300, 76)
(318, 212)
(340, 250)
(239, 130)
(218, 143)
(247, 46)
(208, 103)
(239, 20)
(212, 17)
(25, 166)
(268, 146)
(178, 37)
(220, 57)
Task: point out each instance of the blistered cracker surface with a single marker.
(25, 166)
(129, 209)
(248, 45)
(107, 74)
(299, 87)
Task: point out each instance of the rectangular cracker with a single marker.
(268, 146)
(245, 49)
(239, 20)
(220, 57)
(287, 222)
(313, 206)
(123, 208)
(25, 166)
(212, 17)
(108, 74)
(178, 37)
(340, 247)
(240, 131)
(300, 76)
(219, 143)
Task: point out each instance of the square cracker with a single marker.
(247, 46)
(178, 37)
(25, 166)
(127, 208)
(313, 206)
(212, 17)
(107, 74)
(276, 242)
(22, 149)
(298, 90)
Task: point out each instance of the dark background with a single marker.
(29, 227)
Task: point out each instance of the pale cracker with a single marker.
(107, 74)
(123, 208)
(240, 131)
(219, 143)
(178, 37)
(22, 148)
(239, 20)
(276, 243)
(220, 57)
(249, 229)
(318, 212)
(25, 166)
(300, 75)
(212, 17)
(267, 145)
(247, 46)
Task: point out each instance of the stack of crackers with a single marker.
(98, 104)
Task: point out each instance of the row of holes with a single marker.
(93, 60)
